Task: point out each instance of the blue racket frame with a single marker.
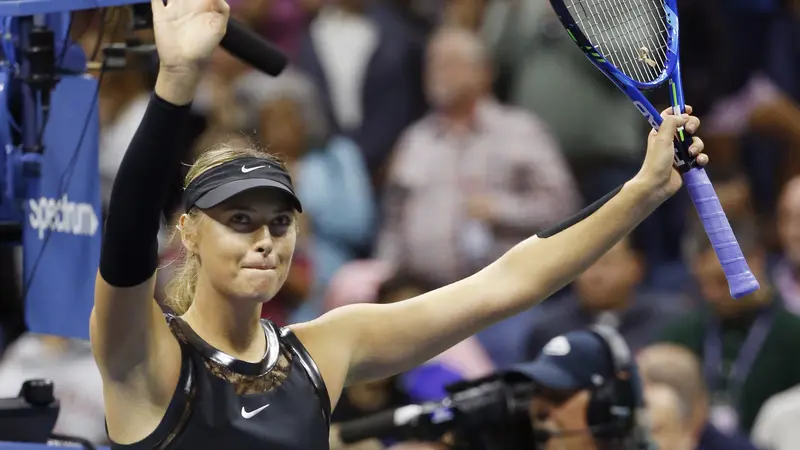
(741, 280)
(630, 87)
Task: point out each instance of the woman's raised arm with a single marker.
(127, 327)
(362, 342)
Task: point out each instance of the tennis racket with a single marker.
(635, 44)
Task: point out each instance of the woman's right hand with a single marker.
(658, 173)
(187, 32)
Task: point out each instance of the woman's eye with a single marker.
(282, 221)
(240, 219)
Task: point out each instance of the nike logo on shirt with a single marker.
(250, 169)
(248, 415)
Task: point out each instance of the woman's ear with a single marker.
(188, 229)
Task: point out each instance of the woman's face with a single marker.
(245, 245)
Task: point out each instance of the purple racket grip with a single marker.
(741, 280)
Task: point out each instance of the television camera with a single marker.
(490, 413)
(493, 412)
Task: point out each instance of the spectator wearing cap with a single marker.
(569, 372)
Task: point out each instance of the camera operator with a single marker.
(581, 393)
(589, 396)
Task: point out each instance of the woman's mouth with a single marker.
(264, 266)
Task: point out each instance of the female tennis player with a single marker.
(213, 375)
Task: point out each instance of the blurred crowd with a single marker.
(425, 138)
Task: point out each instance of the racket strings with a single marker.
(630, 34)
(626, 40)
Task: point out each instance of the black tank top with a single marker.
(280, 403)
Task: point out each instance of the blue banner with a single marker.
(62, 230)
(8, 212)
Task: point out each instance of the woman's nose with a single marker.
(264, 244)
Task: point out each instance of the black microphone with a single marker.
(253, 49)
(242, 43)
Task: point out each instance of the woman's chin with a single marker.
(259, 296)
(263, 284)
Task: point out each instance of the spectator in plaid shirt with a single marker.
(491, 174)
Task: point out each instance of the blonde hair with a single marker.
(180, 289)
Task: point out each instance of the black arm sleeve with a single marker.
(582, 214)
(129, 255)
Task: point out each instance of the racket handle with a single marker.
(741, 280)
